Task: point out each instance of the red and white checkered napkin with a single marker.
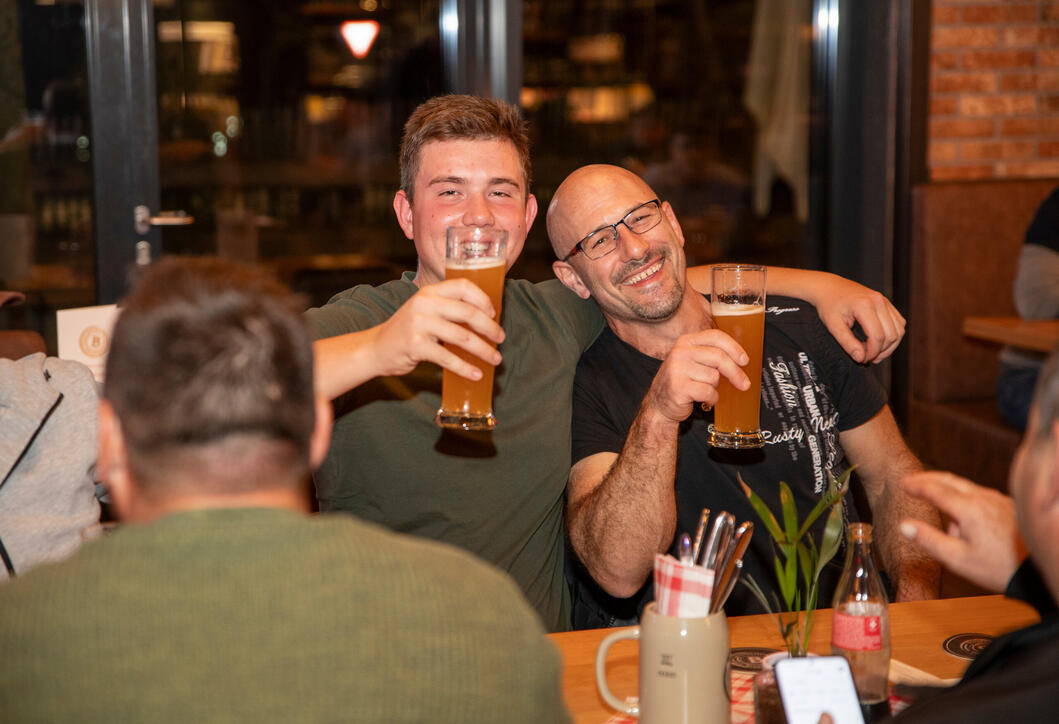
(682, 589)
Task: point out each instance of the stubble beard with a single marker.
(660, 306)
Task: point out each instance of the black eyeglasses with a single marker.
(604, 240)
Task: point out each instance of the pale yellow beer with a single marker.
(738, 410)
(478, 255)
(738, 307)
(459, 394)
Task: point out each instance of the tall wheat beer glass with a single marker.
(738, 306)
(479, 255)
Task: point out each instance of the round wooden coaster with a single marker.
(966, 645)
(748, 658)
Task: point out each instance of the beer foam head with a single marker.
(731, 310)
(480, 262)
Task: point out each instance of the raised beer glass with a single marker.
(738, 307)
(479, 255)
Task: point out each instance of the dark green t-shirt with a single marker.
(497, 494)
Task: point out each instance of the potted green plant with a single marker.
(798, 560)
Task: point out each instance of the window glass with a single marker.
(279, 125)
(706, 99)
(46, 248)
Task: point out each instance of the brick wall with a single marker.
(994, 89)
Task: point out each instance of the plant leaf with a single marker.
(805, 563)
(819, 508)
(781, 582)
(787, 628)
(776, 603)
(755, 589)
(790, 512)
(831, 539)
(810, 603)
(843, 479)
(814, 556)
(809, 620)
(810, 614)
(789, 584)
(836, 488)
(763, 512)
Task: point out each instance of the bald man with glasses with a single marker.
(642, 470)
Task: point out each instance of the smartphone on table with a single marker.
(811, 686)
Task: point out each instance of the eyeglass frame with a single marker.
(579, 248)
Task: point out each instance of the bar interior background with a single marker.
(783, 131)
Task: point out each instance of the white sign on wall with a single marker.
(84, 335)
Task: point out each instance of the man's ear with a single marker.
(321, 437)
(531, 211)
(570, 279)
(402, 207)
(112, 464)
(671, 217)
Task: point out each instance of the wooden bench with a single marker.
(966, 238)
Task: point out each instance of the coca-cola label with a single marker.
(856, 633)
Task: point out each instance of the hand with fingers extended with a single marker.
(692, 370)
(842, 302)
(982, 541)
(454, 312)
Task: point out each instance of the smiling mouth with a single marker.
(644, 273)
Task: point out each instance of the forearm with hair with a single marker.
(917, 574)
(619, 525)
(801, 283)
(914, 573)
(882, 459)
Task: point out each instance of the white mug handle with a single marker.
(601, 670)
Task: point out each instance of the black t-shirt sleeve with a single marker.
(609, 386)
(858, 395)
(593, 430)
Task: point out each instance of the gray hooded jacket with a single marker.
(47, 459)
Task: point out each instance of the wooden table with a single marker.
(1041, 335)
(917, 632)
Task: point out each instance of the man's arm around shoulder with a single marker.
(840, 302)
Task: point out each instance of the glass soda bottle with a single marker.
(860, 623)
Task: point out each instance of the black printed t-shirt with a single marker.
(810, 391)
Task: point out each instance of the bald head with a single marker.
(572, 214)
(636, 273)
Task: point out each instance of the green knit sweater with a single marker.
(264, 615)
